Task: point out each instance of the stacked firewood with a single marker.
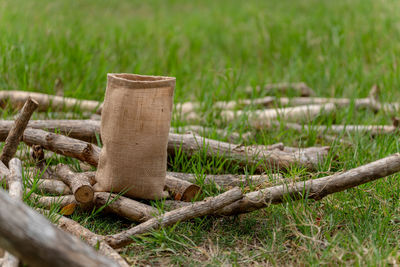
(28, 236)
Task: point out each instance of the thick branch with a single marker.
(230, 180)
(180, 189)
(30, 237)
(46, 102)
(17, 129)
(78, 182)
(317, 188)
(262, 118)
(94, 240)
(15, 191)
(195, 210)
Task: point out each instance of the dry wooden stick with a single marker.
(232, 136)
(50, 186)
(371, 129)
(78, 182)
(180, 189)
(122, 206)
(125, 207)
(31, 238)
(262, 118)
(195, 210)
(317, 188)
(46, 102)
(63, 145)
(17, 129)
(230, 180)
(92, 239)
(16, 192)
(258, 156)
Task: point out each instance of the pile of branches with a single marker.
(28, 236)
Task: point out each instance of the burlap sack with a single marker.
(135, 123)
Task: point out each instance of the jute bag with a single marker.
(135, 123)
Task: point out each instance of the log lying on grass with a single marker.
(258, 156)
(317, 188)
(78, 182)
(94, 240)
(262, 118)
(31, 238)
(49, 186)
(180, 189)
(198, 129)
(15, 190)
(63, 145)
(230, 180)
(122, 206)
(46, 102)
(371, 129)
(195, 210)
(16, 131)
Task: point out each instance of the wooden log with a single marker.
(271, 102)
(78, 182)
(316, 188)
(4, 172)
(370, 129)
(230, 180)
(125, 207)
(46, 102)
(300, 87)
(120, 205)
(30, 237)
(195, 210)
(264, 118)
(258, 156)
(16, 192)
(49, 186)
(47, 202)
(63, 145)
(16, 131)
(231, 136)
(180, 189)
(92, 239)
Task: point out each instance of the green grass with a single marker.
(215, 49)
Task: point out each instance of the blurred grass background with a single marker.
(215, 49)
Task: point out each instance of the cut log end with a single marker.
(84, 194)
(190, 193)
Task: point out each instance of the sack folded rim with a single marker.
(137, 81)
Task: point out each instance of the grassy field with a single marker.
(215, 49)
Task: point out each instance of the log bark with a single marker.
(264, 118)
(180, 189)
(55, 187)
(46, 202)
(317, 188)
(92, 239)
(200, 130)
(231, 180)
(78, 182)
(195, 210)
(63, 145)
(16, 192)
(258, 156)
(4, 172)
(16, 131)
(46, 102)
(122, 206)
(31, 238)
(125, 207)
(371, 129)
